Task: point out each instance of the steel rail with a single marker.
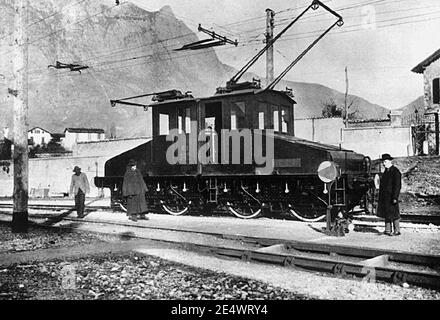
(406, 218)
(324, 264)
(395, 275)
(55, 207)
(412, 218)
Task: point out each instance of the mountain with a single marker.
(311, 98)
(418, 104)
(129, 51)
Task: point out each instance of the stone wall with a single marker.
(430, 73)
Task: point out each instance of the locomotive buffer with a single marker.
(329, 172)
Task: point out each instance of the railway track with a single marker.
(368, 264)
(407, 218)
(410, 218)
(57, 207)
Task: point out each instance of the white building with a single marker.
(74, 135)
(39, 136)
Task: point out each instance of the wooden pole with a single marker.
(270, 14)
(20, 111)
(345, 100)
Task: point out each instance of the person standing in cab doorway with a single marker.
(134, 189)
(389, 190)
(79, 187)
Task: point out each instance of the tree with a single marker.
(352, 103)
(331, 109)
(53, 146)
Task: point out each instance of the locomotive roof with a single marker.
(219, 96)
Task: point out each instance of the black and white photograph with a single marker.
(220, 159)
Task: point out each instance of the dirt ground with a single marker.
(420, 183)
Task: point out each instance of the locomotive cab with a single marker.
(244, 109)
(205, 119)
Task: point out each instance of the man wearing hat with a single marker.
(388, 204)
(79, 187)
(134, 189)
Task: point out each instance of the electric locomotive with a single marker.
(237, 151)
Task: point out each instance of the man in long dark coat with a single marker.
(134, 188)
(389, 190)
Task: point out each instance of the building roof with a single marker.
(422, 65)
(368, 120)
(39, 128)
(84, 130)
(58, 135)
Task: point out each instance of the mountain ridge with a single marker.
(129, 51)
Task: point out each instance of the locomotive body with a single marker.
(208, 153)
(237, 150)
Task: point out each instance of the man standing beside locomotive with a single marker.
(79, 187)
(134, 189)
(389, 190)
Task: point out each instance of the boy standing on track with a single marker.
(79, 187)
(389, 190)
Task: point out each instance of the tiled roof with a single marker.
(422, 65)
(318, 118)
(39, 128)
(85, 130)
(368, 120)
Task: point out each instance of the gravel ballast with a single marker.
(129, 276)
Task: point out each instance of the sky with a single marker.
(379, 43)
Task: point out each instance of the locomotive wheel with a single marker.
(123, 207)
(306, 215)
(244, 211)
(175, 209)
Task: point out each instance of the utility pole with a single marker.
(345, 101)
(270, 23)
(20, 112)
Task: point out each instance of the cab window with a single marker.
(238, 115)
(285, 119)
(184, 120)
(164, 124)
(262, 116)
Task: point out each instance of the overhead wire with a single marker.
(45, 18)
(55, 13)
(167, 53)
(376, 14)
(165, 13)
(317, 14)
(156, 59)
(70, 24)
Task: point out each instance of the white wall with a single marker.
(324, 130)
(373, 142)
(72, 138)
(55, 173)
(107, 147)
